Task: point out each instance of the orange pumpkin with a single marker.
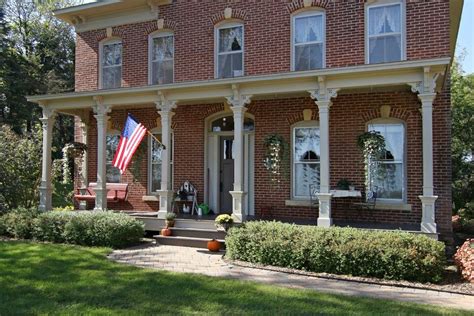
(213, 245)
(166, 232)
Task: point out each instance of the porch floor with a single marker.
(313, 222)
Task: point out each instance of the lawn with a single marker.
(62, 279)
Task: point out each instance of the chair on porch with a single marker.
(313, 196)
(370, 200)
(187, 194)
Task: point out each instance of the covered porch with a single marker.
(236, 96)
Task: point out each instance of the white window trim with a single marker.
(151, 37)
(303, 124)
(394, 121)
(157, 131)
(227, 25)
(312, 12)
(383, 3)
(101, 51)
(112, 132)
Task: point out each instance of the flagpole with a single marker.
(156, 139)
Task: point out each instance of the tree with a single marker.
(37, 57)
(462, 99)
(20, 168)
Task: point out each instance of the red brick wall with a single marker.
(267, 38)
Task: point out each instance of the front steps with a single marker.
(191, 237)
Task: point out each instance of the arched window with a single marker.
(226, 124)
(110, 61)
(229, 51)
(308, 40)
(154, 161)
(305, 158)
(112, 140)
(389, 176)
(161, 58)
(385, 21)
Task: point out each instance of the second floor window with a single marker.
(111, 65)
(385, 33)
(308, 41)
(230, 51)
(162, 59)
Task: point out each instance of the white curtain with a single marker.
(384, 19)
(230, 39)
(309, 29)
(394, 140)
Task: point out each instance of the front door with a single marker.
(226, 173)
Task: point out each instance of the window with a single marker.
(308, 41)
(230, 51)
(154, 163)
(111, 65)
(226, 124)
(161, 58)
(112, 173)
(385, 25)
(306, 158)
(389, 175)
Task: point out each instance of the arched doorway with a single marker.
(219, 166)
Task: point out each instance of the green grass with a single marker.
(62, 279)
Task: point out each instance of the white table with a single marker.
(345, 193)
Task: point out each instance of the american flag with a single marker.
(132, 135)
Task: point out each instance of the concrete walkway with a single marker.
(192, 260)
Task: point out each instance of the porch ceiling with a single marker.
(366, 77)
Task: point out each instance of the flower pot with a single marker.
(213, 245)
(166, 232)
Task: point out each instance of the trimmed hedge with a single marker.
(350, 251)
(106, 229)
(19, 223)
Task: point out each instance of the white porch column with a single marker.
(322, 98)
(428, 199)
(238, 103)
(83, 175)
(165, 108)
(45, 188)
(324, 196)
(101, 110)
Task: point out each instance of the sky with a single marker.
(465, 36)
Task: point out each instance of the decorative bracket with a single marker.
(323, 93)
(163, 104)
(154, 8)
(237, 99)
(48, 113)
(99, 107)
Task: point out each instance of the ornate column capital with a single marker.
(237, 100)
(322, 95)
(163, 105)
(48, 113)
(100, 109)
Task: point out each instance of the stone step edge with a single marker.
(186, 238)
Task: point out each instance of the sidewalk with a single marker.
(192, 260)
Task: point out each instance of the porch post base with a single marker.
(166, 199)
(324, 219)
(45, 198)
(428, 224)
(100, 199)
(83, 204)
(237, 206)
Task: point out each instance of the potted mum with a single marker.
(170, 218)
(224, 221)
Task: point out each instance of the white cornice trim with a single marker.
(330, 73)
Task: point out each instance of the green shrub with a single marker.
(50, 226)
(103, 229)
(20, 223)
(350, 251)
(3, 226)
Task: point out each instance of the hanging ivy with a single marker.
(276, 156)
(372, 145)
(71, 151)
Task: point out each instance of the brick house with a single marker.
(214, 79)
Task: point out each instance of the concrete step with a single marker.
(198, 233)
(155, 224)
(185, 241)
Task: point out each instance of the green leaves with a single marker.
(390, 255)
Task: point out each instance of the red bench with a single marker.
(116, 192)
